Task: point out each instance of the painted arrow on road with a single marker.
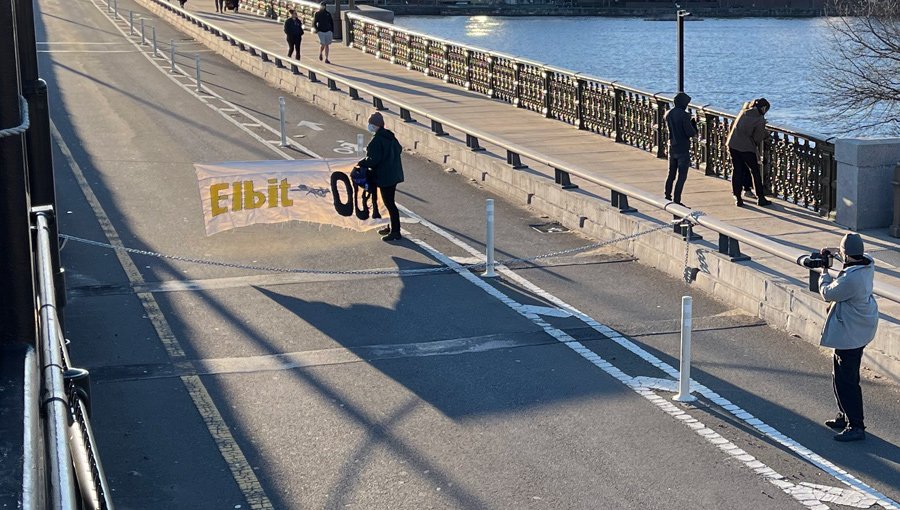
(311, 125)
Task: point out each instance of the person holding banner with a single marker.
(383, 158)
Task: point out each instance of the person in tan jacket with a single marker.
(745, 140)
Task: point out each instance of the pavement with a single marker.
(548, 387)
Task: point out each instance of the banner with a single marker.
(237, 194)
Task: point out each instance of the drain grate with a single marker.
(550, 228)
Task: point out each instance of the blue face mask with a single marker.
(373, 128)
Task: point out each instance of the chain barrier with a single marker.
(21, 128)
(371, 272)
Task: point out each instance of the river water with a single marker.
(727, 61)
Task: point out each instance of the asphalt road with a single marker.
(226, 388)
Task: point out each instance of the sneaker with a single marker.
(738, 201)
(327, 61)
(838, 423)
(669, 198)
(851, 434)
(392, 237)
(749, 194)
(762, 202)
(387, 230)
(320, 56)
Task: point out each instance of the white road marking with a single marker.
(315, 126)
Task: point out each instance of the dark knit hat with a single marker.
(852, 245)
(376, 120)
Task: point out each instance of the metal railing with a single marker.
(76, 474)
(797, 167)
(730, 236)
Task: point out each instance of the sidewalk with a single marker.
(782, 221)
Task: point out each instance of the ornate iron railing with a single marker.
(797, 167)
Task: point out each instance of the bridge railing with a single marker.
(730, 236)
(797, 167)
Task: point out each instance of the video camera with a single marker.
(818, 259)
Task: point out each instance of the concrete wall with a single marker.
(865, 172)
(746, 285)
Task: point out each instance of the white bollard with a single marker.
(684, 376)
(360, 144)
(172, 55)
(143, 38)
(153, 33)
(131, 21)
(489, 252)
(197, 68)
(116, 10)
(281, 116)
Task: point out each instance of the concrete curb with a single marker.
(782, 304)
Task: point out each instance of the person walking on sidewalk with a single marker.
(293, 29)
(682, 127)
(745, 140)
(383, 158)
(850, 325)
(323, 24)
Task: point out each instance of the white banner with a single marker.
(237, 194)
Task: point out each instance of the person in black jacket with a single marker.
(293, 29)
(383, 158)
(682, 127)
(323, 24)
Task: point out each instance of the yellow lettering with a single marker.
(285, 201)
(237, 201)
(273, 193)
(253, 199)
(214, 190)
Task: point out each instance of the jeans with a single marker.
(387, 198)
(845, 380)
(293, 44)
(746, 166)
(677, 163)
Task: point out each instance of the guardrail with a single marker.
(70, 440)
(730, 236)
(797, 167)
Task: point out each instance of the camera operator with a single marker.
(850, 326)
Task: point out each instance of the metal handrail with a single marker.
(55, 400)
(72, 448)
(769, 246)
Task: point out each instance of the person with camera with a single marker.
(383, 158)
(850, 325)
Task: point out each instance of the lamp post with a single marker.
(681, 14)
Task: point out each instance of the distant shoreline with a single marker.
(555, 10)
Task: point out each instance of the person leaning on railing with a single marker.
(850, 326)
(748, 132)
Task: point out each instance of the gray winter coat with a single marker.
(853, 313)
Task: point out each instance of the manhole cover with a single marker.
(550, 228)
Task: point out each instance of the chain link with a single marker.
(369, 272)
(26, 121)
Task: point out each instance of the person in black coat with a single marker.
(682, 127)
(383, 158)
(323, 24)
(293, 29)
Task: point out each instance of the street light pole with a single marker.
(681, 14)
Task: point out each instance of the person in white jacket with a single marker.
(850, 326)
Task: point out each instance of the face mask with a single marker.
(373, 128)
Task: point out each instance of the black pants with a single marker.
(387, 198)
(845, 379)
(677, 163)
(220, 5)
(746, 166)
(294, 44)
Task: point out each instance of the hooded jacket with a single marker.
(853, 313)
(293, 28)
(748, 131)
(383, 157)
(681, 127)
(322, 21)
